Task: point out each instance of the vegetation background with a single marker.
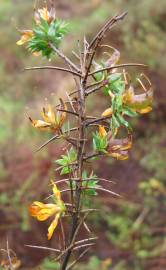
(131, 230)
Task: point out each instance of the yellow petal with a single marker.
(145, 110)
(36, 54)
(53, 226)
(26, 36)
(127, 146)
(23, 40)
(35, 209)
(49, 115)
(102, 131)
(116, 147)
(44, 14)
(128, 95)
(119, 156)
(62, 114)
(40, 124)
(107, 112)
(56, 191)
(43, 211)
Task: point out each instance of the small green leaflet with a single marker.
(99, 143)
(116, 84)
(66, 161)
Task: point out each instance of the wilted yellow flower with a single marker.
(106, 263)
(51, 120)
(45, 14)
(6, 264)
(120, 155)
(141, 103)
(114, 59)
(102, 131)
(43, 211)
(26, 36)
(119, 148)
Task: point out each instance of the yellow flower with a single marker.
(45, 14)
(51, 120)
(26, 36)
(43, 211)
(102, 131)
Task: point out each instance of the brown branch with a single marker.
(93, 155)
(9, 257)
(80, 153)
(83, 246)
(83, 180)
(80, 257)
(64, 57)
(96, 88)
(67, 111)
(108, 191)
(47, 142)
(117, 66)
(89, 188)
(54, 68)
(97, 120)
(94, 84)
(98, 38)
(86, 240)
(44, 248)
(69, 248)
(54, 138)
(106, 27)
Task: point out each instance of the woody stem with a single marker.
(80, 161)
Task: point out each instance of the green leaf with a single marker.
(123, 122)
(91, 184)
(99, 143)
(116, 83)
(65, 170)
(114, 124)
(61, 162)
(129, 112)
(99, 75)
(67, 160)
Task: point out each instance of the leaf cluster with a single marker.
(100, 143)
(44, 34)
(116, 86)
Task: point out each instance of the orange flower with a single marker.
(26, 36)
(102, 131)
(43, 211)
(51, 120)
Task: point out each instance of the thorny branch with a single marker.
(83, 84)
(85, 77)
(54, 68)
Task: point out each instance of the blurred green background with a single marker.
(131, 230)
